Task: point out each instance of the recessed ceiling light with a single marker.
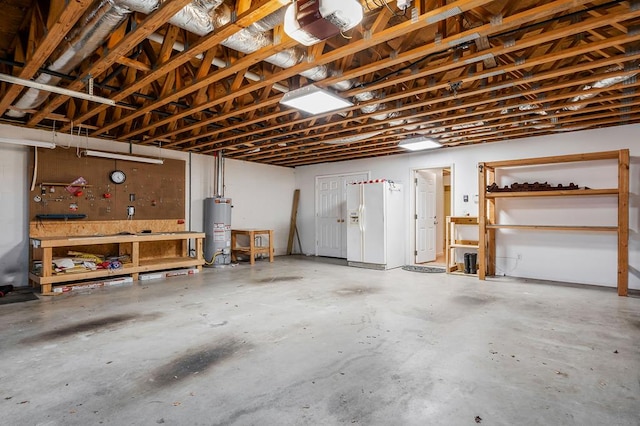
(314, 100)
(419, 143)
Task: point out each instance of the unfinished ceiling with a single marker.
(207, 75)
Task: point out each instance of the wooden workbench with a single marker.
(252, 250)
(148, 252)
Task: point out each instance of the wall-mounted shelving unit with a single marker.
(487, 209)
(453, 242)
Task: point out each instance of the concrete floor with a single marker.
(302, 342)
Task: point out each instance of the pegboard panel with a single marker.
(155, 191)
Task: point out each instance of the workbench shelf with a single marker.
(146, 250)
(488, 210)
(454, 242)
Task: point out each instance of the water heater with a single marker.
(217, 231)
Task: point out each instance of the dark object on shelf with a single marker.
(61, 216)
(536, 186)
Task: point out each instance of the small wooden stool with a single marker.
(252, 250)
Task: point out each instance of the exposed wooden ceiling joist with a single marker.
(463, 71)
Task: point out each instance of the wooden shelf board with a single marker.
(556, 193)
(248, 250)
(144, 266)
(115, 239)
(556, 228)
(463, 220)
(168, 263)
(469, 246)
(556, 159)
(77, 276)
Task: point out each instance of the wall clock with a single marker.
(117, 176)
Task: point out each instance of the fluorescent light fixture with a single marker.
(419, 143)
(27, 142)
(54, 89)
(124, 157)
(314, 100)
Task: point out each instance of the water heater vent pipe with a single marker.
(219, 180)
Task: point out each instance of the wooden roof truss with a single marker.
(461, 72)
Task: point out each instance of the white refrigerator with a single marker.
(375, 229)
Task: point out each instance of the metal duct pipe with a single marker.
(219, 179)
(199, 17)
(249, 75)
(194, 17)
(600, 84)
(96, 26)
(256, 36)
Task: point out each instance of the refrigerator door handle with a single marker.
(361, 215)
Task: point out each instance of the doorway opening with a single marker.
(432, 196)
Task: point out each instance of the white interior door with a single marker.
(331, 224)
(425, 216)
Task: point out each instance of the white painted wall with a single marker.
(14, 186)
(571, 257)
(262, 195)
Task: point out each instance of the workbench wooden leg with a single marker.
(47, 259)
(199, 250)
(234, 237)
(270, 246)
(252, 248)
(45, 288)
